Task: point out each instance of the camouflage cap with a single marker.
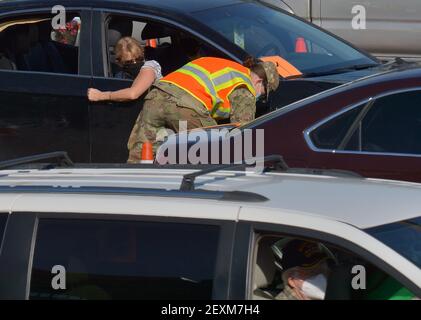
(300, 253)
(272, 76)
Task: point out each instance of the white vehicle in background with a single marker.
(151, 232)
(385, 28)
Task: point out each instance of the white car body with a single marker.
(338, 206)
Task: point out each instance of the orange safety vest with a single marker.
(211, 80)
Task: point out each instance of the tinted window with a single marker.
(330, 134)
(393, 124)
(262, 31)
(3, 220)
(125, 260)
(404, 237)
(34, 44)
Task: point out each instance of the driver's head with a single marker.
(305, 269)
(264, 76)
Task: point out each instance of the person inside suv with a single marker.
(130, 56)
(305, 271)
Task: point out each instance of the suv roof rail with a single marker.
(244, 196)
(61, 156)
(188, 179)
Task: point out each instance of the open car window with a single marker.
(273, 270)
(171, 47)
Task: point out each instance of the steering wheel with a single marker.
(272, 50)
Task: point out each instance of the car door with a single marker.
(112, 122)
(396, 27)
(383, 140)
(263, 233)
(43, 105)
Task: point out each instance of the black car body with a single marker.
(43, 83)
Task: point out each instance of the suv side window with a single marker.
(277, 272)
(32, 44)
(329, 135)
(392, 125)
(124, 259)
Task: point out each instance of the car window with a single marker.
(404, 237)
(262, 31)
(392, 125)
(33, 44)
(282, 264)
(169, 46)
(3, 220)
(124, 259)
(330, 134)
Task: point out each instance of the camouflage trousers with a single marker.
(163, 111)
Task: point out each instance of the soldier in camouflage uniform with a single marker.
(167, 104)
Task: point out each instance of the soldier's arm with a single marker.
(243, 105)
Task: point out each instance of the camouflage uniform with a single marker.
(166, 104)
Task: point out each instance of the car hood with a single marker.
(348, 76)
(351, 75)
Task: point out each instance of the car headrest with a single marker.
(155, 31)
(118, 28)
(113, 36)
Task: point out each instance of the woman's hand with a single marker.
(95, 95)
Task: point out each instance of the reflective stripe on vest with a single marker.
(212, 88)
(204, 78)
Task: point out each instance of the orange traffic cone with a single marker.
(151, 43)
(300, 45)
(147, 153)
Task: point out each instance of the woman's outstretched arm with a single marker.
(143, 81)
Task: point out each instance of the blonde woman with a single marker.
(130, 57)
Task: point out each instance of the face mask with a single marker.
(314, 288)
(133, 69)
(259, 95)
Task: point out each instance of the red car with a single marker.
(370, 126)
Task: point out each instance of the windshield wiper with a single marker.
(355, 67)
(61, 157)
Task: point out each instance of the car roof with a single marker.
(361, 202)
(181, 6)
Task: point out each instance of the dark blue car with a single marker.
(45, 71)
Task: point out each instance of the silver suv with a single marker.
(180, 233)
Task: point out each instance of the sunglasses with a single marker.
(128, 62)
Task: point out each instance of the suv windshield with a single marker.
(404, 237)
(263, 31)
